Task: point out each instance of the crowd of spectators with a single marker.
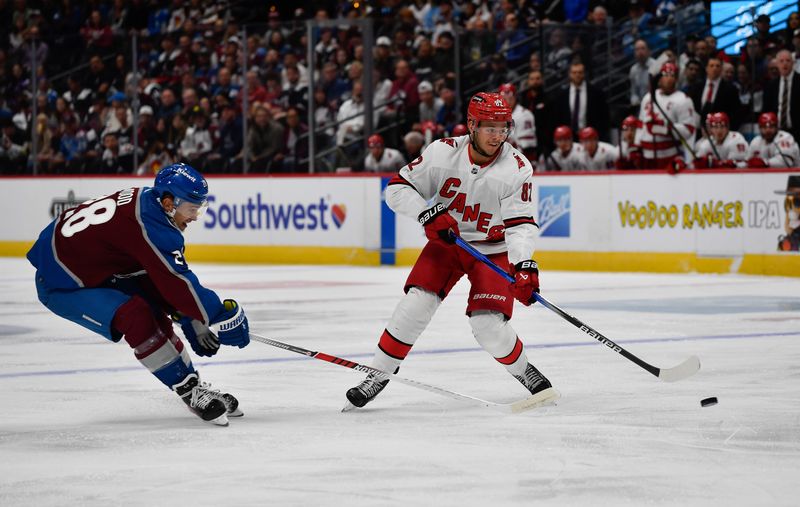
(199, 78)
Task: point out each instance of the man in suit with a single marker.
(716, 95)
(580, 104)
(782, 95)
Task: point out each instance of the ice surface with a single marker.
(84, 424)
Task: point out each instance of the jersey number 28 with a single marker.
(98, 212)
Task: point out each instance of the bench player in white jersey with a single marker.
(773, 148)
(630, 154)
(523, 137)
(661, 135)
(597, 155)
(567, 156)
(724, 148)
(481, 188)
(381, 159)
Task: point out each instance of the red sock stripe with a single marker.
(513, 356)
(393, 347)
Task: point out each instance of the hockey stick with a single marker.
(670, 124)
(516, 407)
(686, 369)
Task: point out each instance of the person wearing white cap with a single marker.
(429, 104)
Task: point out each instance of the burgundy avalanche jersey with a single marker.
(122, 234)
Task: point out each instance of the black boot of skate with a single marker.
(232, 404)
(202, 400)
(366, 391)
(533, 380)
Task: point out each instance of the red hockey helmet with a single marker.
(587, 134)
(460, 130)
(718, 119)
(669, 68)
(485, 106)
(767, 119)
(507, 87)
(562, 132)
(374, 141)
(630, 122)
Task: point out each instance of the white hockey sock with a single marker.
(411, 316)
(495, 334)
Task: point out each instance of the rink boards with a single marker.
(710, 222)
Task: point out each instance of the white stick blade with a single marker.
(542, 398)
(684, 370)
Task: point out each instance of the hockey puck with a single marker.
(708, 402)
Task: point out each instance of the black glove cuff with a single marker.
(431, 213)
(527, 265)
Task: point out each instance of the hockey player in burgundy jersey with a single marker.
(481, 188)
(115, 266)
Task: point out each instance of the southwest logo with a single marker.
(554, 208)
(339, 213)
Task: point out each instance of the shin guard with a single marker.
(495, 334)
(411, 316)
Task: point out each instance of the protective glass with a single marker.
(190, 209)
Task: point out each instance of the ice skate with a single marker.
(202, 400)
(365, 392)
(542, 392)
(232, 404)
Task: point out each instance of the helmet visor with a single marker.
(190, 209)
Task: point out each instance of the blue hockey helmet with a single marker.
(186, 185)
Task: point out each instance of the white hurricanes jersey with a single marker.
(603, 158)
(733, 147)
(390, 161)
(524, 134)
(664, 142)
(781, 152)
(625, 149)
(574, 160)
(489, 202)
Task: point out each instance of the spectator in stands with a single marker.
(189, 99)
(296, 94)
(688, 52)
(97, 34)
(13, 147)
(558, 53)
(787, 34)
(351, 117)
(728, 72)
(72, 148)
(324, 118)
(169, 105)
(511, 42)
(44, 142)
(196, 144)
(640, 72)
(598, 156)
(333, 85)
(753, 57)
(691, 77)
(380, 158)
(293, 155)
(429, 104)
(782, 95)
(449, 114)
(147, 135)
(116, 158)
(443, 58)
(413, 143)
(638, 24)
(423, 62)
(264, 140)
(224, 86)
(97, 79)
(229, 140)
(714, 94)
(580, 104)
(382, 59)
(523, 135)
(568, 156)
(774, 147)
(765, 38)
(500, 73)
(403, 93)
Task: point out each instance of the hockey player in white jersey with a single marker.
(630, 153)
(382, 159)
(661, 135)
(724, 148)
(523, 137)
(773, 148)
(597, 155)
(481, 188)
(567, 156)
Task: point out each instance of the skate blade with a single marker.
(544, 398)
(220, 421)
(349, 407)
